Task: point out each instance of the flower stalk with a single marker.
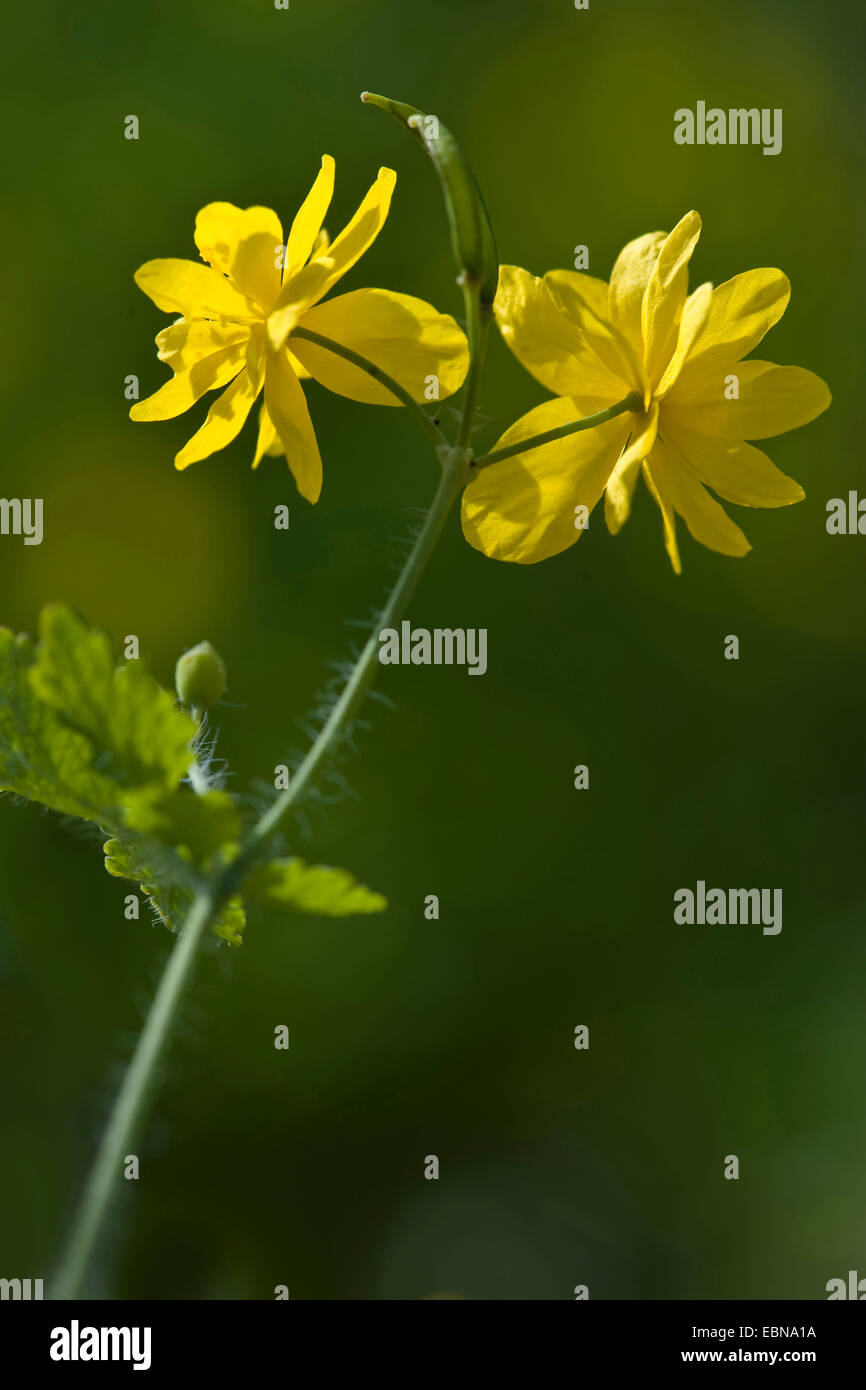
(418, 413)
(633, 401)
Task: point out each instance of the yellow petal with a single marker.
(593, 292)
(677, 488)
(771, 400)
(641, 431)
(298, 368)
(735, 470)
(311, 283)
(665, 295)
(585, 301)
(742, 310)
(287, 407)
(268, 441)
(619, 493)
(185, 388)
(254, 359)
(407, 338)
(225, 420)
(307, 225)
(551, 342)
(694, 316)
(359, 234)
(523, 509)
(628, 282)
(188, 341)
(244, 243)
(196, 291)
(669, 521)
(591, 405)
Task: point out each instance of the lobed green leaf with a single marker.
(107, 744)
(314, 888)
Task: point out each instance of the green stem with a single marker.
(366, 667)
(130, 1104)
(633, 401)
(478, 321)
(428, 425)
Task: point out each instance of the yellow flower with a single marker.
(591, 343)
(240, 313)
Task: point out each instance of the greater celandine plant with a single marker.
(645, 379)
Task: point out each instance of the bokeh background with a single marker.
(454, 1037)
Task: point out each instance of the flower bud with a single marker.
(200, 676)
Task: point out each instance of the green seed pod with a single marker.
(472, 239)
(200, 676)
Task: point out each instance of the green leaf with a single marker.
(313, 888)
(205, 824)
(107, 744)
(171, 899)
(138, 734)
(122, 861)
(79, 735)
(39, 759)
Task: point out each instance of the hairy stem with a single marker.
(367, 665)
(130, 1104)
(633, 401)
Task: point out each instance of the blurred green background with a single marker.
(454, 1037)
